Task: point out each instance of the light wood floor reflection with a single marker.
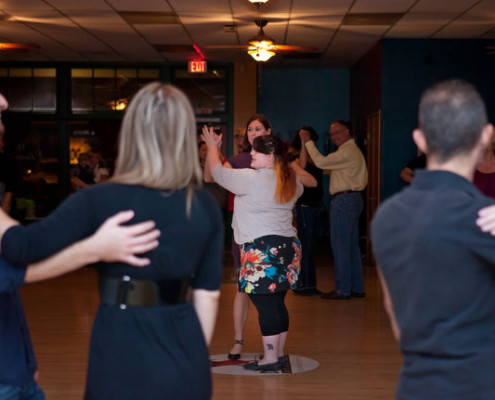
(351, 340)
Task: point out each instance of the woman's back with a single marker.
(141, 352)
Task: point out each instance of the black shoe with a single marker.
(312, 291)
(358, 294)
(234, 357)
(281, 359)
(272, 367)
(306, 292)
(334, 295)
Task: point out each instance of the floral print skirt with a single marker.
(269, 264)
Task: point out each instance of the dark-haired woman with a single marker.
(257, 125)
(308, 209)
(262, 223)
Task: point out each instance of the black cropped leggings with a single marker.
(273, 316)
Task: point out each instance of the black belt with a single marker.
(126, 292)
(345, 192)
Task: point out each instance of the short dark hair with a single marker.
(263, 119)
(452, 115)
(345, 124)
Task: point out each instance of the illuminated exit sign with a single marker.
(197, 66)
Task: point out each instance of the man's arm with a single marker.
(331, 161)
(387, 302)
(110, 243)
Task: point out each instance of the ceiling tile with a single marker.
(381, 6)
(142, 5)
(164, 34)
(33, 5)
(66, 5)
(473, 23)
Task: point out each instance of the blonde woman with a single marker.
(149, 341)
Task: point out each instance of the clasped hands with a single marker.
(304, 135)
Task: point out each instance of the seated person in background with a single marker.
(437, 268)
(82, 175)
(112, 242)
(100, 171)
(407, 173)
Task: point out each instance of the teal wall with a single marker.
(292, 98)
(409, 67)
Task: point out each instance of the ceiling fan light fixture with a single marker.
(260, 54)
(262, 44)
(258, 2)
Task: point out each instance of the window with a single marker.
(29, 89)
(205, 91)
(107, 89)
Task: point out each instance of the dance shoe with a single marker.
(334, 295)
(237, 356)
(272, 367)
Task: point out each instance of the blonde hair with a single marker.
(157, 142)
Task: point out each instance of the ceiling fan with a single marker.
(262, 47)
(18, 47)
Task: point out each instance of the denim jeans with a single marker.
(344, 237)
(307, 219)
(29, 392)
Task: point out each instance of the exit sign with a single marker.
(197, 66)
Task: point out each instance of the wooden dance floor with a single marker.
(351, 339)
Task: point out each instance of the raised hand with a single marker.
(210, 137)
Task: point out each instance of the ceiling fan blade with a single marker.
(226, 46)
(18, 46)
(296, 48)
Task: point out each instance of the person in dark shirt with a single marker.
(307, 216)
(407, 173)
(112, 242)
(436, 266)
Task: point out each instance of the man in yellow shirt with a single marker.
(348, 179)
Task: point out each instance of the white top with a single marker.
(256, 213)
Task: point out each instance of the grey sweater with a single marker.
(256, 213)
